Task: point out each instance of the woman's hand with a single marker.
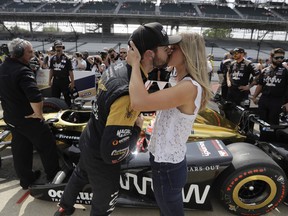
(133, 55)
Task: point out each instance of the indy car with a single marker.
(248, 177)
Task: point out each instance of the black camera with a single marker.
(4, 49)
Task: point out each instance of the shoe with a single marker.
(36, 175)
(64, 212)
(285, 201)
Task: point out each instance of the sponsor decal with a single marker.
(113, 202)
(95, 111)
(219, 147)
(244, 175)
(82, 198)
(143, 184)
(115, 142)
(203, 149)
(63, 136)
(119, 152)
(281, 179)
(223, 153)
(202, 168)
(123, 133)
(124, 139)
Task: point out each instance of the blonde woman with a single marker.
(177, 108)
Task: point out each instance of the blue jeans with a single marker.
(168, 182)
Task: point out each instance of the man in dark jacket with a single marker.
(22, 111)
(113, 128)
(273, 84)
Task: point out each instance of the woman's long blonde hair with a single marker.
(193, 48)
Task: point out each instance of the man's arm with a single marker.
(71, 76)
(50, 77)
(37, 109)
(258, 90)
(228, 77)
(121, 131)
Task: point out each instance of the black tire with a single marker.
(253, 185)
(54, 105)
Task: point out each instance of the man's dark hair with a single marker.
(277, 50)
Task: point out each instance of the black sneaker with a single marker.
(285, 201)
(64, 212)
(36, 175)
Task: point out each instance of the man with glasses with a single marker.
(238, 77)
(273, 84)
(123, 54)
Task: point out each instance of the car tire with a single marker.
(253, 184)
(54, 105)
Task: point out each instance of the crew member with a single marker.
(238, 77)
(22, 111)
(61, 77)
(273, 84)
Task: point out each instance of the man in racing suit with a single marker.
(238, 77)
(273, 84)
(113, 128)
(22, 105)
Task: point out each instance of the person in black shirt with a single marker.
(273, 84)
(61, 77)
(22, 111)
(238, 77)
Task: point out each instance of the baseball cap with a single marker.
(152, 35)
(239, 50)
(58, 43)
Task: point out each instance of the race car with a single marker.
(242, 176)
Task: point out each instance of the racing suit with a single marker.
(239, 74)
(18, 89)
(61, 67)
(108, 139)
(274, 82)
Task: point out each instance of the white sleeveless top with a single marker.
(171, 132)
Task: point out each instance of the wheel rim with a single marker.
(254, 192)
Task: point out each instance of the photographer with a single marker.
(4, 52)
(112, 56)
(97, 67)
(36, 62)
(78, 62)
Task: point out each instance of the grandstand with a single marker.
(244, 14)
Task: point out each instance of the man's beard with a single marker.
(276, 63)
(157, 63)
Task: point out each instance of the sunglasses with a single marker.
(123, 52)
(278, 57)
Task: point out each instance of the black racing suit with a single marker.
(18, 89)
(108, 139)
(61, 67)
(239, 76)
(274, 82)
